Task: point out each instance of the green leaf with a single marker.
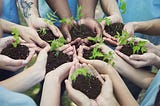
(81, 71)
(123, 6)
(15, 34)
(106, 19)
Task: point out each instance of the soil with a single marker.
(49, 36)
(81, 31)
(88, 53)
(114, 28)
(89, 85)
(127, 50)
(53, 61)
(20, 52)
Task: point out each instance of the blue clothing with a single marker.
(142, 10)
(9, 11)
(44, 8)
(152, 91)
(10, 98)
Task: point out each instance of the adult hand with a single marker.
(92, 24)
(130, 28)
(10, 64)
(66, 27)
(106, 97)
(139, 61)
(67, 49)
(31, 36)
(37, 23)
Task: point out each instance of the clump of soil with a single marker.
(128, 50)
(114, 28)
(88, 53)
(56, 59)
(81, 31)
(19, 52)
(89, 85)
(49, 36)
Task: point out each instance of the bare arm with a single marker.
(110, 7)
(88, 7)
(150, 27)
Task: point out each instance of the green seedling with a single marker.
(97, 39)
(57, 43)
(123, 6)
(109, 57)
(79, 14)
(52, 17)
(122, 39)
(81, 71)
(106, 19)
(96, 53)
(139, 47)
(43, 31)
(15, 34)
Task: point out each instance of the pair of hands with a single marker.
(90, 22)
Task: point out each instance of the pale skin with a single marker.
(30, 13)
(29, 77)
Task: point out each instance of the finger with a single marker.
(98, 30)
(67, 34)
(110, 41)
(13, 68)
(69, 49)
(118, 48)
(55, 30)
(64, 47)
(137, 57)
(71, 72)
(31, 53)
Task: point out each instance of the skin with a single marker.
(29, 77)
(32, 17)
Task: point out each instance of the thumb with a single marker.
(137, 57)
(83, 60)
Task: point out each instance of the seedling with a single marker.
(81, 71)
(97, 39)
(15, 34)
(43, 31)
(97, 54)
(122, 39)
(140, 46)
(79, 14)
(106, 19)
(57, 43)
(123, 6)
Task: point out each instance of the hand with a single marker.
(61, 72)
(130, 28)
(139, 61)
(31, 36)
(91, 23)
(67, 49)
(11, 64)
(113, 18)
(66, 27)
(81, 49)
(37, 23)
(106, 97)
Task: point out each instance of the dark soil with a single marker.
(89, 85)
(20, 52)
(53, 61)
(81, 31)
(127, 50)
(113, 28)
(49, 36)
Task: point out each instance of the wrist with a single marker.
(51, 76)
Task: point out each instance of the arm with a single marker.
(52, 85)
(29, 77)
(150, 27)
(88, 8)
(110, 8)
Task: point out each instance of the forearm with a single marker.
(88, 8)
(140, 77)
(110, 7)
(23, 81)
(51, 92)
(28, 9)
(150, 27)
(61, 7)
(121, 91)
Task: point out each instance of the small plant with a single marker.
(81, 71)
(97, 54)
(57, 43)
(123, 6)
(15, 34)
(79, 14)
(122, 39)
(97, 39)
(107, 20)
(140, 46)
(43, 31)
(52, 17)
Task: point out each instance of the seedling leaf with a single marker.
(15, 34)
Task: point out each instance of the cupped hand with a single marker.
(10, 64)
(92, 24)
